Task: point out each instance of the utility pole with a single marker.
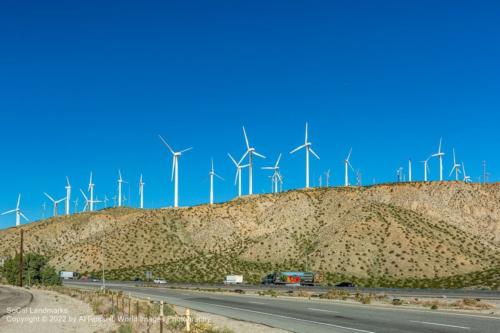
(21, 266)
(103, 263)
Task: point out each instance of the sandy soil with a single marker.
(52, 312)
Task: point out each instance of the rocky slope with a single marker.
(383, 233)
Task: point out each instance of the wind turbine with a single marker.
(250, 152)
(347, 164)
(175, 169)
(239, 167)
(276, 175)
(91, 190)
(89, 203)
(55, 202)
(44, 207)
(327, 177)
(456, 166)
(440, 155)
(141, 192)
(120, 182)
(18, 212)
(426, 167)
(466, 178)
(307, 146)
(212, 174)
(105, 200)
(409, 170)
(68, 195)
(75, 202)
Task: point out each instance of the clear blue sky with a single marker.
(89, 85)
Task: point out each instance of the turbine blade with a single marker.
(278, 161)
(243, 157)
(232, 159)
(9, 211)
(297, 149)
(173, 168)
(67, 179)
(24, 216)
(18, 200)
(216, 175)
(257, 154)
(166, 144)
(48, 196)
(268, 168)
(236, 177)
(451, 172)
(185, 150)
(312, 152)
(246, 137)
(83, 193)
(349, 155)
(306, 133)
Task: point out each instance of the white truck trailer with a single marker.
(233, 279)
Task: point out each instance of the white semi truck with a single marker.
(233, 279)
(67, 275)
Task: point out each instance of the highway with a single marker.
(304, 316)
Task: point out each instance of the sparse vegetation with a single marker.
(391, 235)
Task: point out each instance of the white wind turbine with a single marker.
(440, 155)
(250, 152)
(120, 182)
(175, 169)
(426, 167)
(212, 174)
(327, 177)
(141, 192)
(18, 212)
(89, 203)
(91, 190)
(68, 196)
(347, 165)
(239, 167)
(456, 166)
(307, 146)
(276, 177)
(55, 202)
(466, 178)
(105, 200)
(409, 170)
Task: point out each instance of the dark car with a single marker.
(137, 280)
(345, 285)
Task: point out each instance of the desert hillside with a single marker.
(394, 232)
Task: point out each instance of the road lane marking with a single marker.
(438, 324)
(287, 317)
(260, 303)
(322, 310)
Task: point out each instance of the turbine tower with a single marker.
(141, 192)
(327, 177)
(68, 195)
(175, 169)
(120, 182)
(440, 155)
(466, 178)
(276, 175)
(426, 167)
(89, 203)
(91, 190)
(239, 167)
(18, 212)
(250, 152)
(347, 164)
(456, 166)
(212, 174)
(307, 146)
(55, 202)
(409, 170)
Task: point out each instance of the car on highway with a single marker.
(160, 281)
(345, 285)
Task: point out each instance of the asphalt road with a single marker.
(317, 316)
(13, 298)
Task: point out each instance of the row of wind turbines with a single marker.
(245, 162)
